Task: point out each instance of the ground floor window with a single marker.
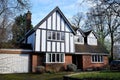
(97, 58)
(55, 58)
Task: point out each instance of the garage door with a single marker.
(14, 63)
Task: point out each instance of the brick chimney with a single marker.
(28, 21)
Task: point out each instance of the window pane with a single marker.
(78, 40)
(93, 58)
(57, 56)
(62, 57)
(99, 58)
(53, 35)
(49, 58)
(62, 36)
(58, 35)
(49, 34)
(53, 57)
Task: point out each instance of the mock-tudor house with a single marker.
(52, 41)
(55, 44)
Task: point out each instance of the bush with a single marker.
(40, 69)
(71, 67)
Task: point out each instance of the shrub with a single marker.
(40, 69)
(55, 67)
(71, 67)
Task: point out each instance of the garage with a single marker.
(14, 63)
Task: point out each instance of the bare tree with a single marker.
(76, 20)
(8, 10)
(13, 6)
(95, 20)
(108, 19)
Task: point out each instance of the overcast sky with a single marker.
(40, 8)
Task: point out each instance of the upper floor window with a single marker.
(54, 35)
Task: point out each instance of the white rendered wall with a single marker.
(91, 39)
(53, 47)
(67, 42)
(54, 21)
(37, 40)
(58, 22)
(72, 43)
(43, 25)
(43, 42)
(49, 25)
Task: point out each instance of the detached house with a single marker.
(55, 44)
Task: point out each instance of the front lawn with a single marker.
(100, 75)
(45, 76)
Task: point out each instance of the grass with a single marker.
(109, 75)
(30, 76)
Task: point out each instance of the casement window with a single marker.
(54, 35)
(55, 58)
(97, 58)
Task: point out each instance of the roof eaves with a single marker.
(81, 32)
(91, 53)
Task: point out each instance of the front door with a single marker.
(77, 60)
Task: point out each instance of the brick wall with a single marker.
(59, 66)
(34, 62)
(87, 63)
(37, 60)
(68, 60)
(54, 67)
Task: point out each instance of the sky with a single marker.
(40, 8)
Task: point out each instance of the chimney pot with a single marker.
(28, 21)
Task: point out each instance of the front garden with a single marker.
(97, 75)
(34, 76)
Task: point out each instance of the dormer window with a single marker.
(79, 39)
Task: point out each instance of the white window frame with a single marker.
(94, 60)
(61, 58)
(56, 38)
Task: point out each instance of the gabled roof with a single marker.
(88, 32)
(81, 32)
(54, 10)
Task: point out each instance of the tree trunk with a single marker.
(112, 43)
